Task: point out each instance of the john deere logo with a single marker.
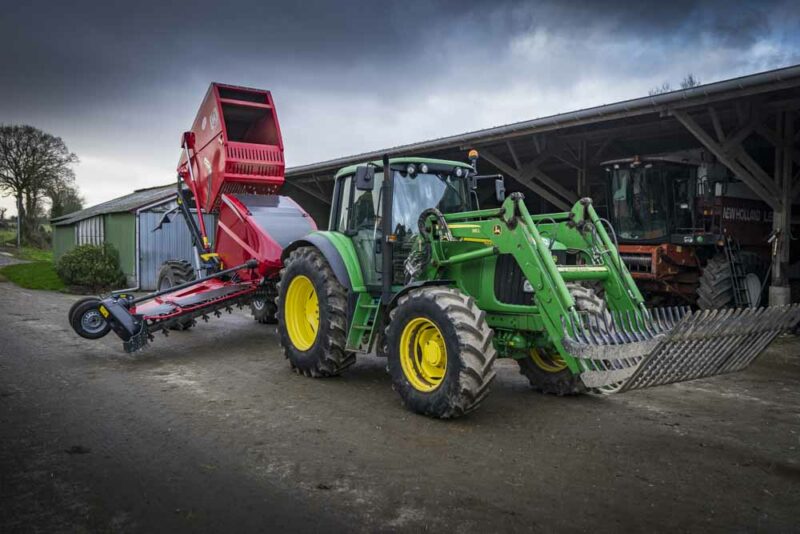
(496, 230)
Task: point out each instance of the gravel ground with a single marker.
(209, 430)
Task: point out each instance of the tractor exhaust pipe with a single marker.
(387, 247)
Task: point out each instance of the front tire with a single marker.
(544, 368)
(440, 352)
(312, 315)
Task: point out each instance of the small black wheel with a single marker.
(78, 303)
(263, 307)
(87, 320)
(440, 352)
(174, 273)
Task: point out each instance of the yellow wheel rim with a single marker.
(423, 354)
(302, 312)
(550, 364)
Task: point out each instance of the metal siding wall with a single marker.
(172, 242)
(63, 240)
(90, 231)
(121, 232)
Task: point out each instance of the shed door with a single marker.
(89, 231)
(172, 242)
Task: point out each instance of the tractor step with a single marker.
(362, 327)
(673, 345)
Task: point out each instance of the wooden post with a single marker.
(779, 292)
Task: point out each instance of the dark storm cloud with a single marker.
(120, 80)
(109, 49)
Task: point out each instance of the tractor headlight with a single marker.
(411, 170)
(423, 169)
(459, 172)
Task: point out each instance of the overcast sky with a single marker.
(120, 81)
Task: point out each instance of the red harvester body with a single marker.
(232, 164)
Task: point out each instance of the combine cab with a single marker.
(689, 232)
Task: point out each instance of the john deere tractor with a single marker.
(415, 271)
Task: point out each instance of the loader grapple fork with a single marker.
(672, 345)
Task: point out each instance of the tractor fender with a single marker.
(415, 285)
(339, 252)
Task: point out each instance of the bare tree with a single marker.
(64, 198)
(31, 163)
(688, 81)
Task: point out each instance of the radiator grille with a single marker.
(509, 282)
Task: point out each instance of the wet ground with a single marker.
(209, 430)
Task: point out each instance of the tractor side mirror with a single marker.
(365, 178)
(500, 189)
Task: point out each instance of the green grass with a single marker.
(8, 236)
(34, 254)
(35, 275)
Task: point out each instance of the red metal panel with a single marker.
(238, 146)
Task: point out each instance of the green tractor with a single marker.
(413, 270)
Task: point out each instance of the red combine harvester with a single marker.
(231, 165)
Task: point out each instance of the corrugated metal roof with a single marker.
(137, 199)
(759, 82)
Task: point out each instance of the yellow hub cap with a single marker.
(423, 355)
(302, 312)
(545, 362)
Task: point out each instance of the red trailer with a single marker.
(231, 165)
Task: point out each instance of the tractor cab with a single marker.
(418, 184)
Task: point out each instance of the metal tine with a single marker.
(640, 326)
(745, 324)
(582, 329)
(623, 333)
(722, 339)
(756, 321)
(594, 330)
(662, 319)
(630, 325)
(648, 323)
(757, 340)
(601, 324)
(633, 319)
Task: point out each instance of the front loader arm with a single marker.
(631, 347)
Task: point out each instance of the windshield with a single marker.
(413, 194)
(640, 203)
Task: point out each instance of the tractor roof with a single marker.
(411, 159)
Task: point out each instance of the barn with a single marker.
(128, 223)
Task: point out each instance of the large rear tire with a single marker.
(312, 315)
(544, 368)
(716, 283)
(174, 273)
(440, 352)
